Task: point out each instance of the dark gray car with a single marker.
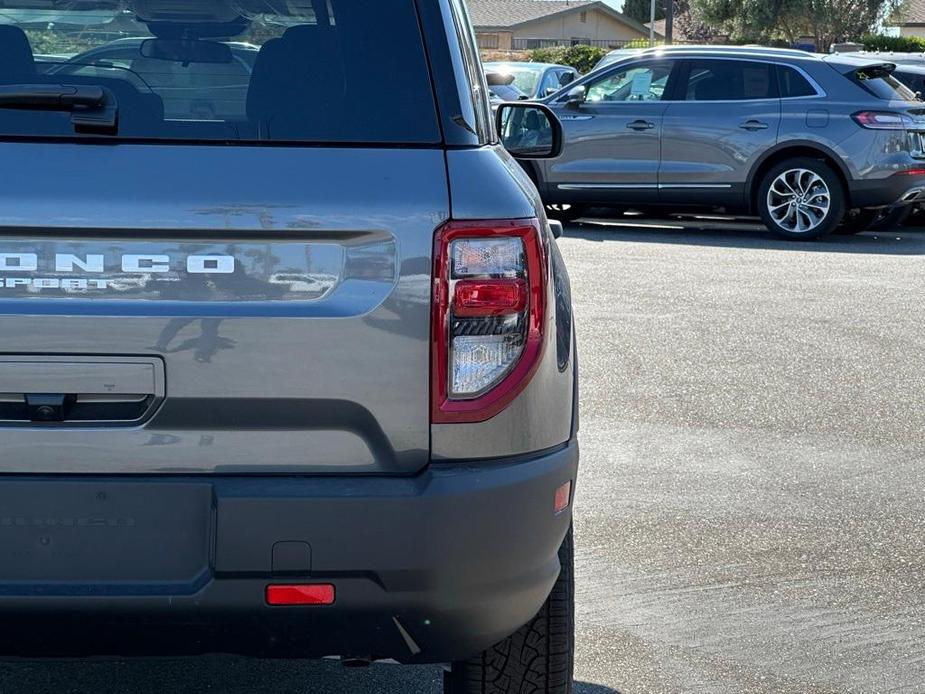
(797, 138)
(292, 377)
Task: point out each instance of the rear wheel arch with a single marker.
(796, 151)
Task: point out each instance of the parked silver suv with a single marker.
(798, 138)
(286, 369)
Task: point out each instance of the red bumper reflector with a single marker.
(563, 497)
(489, 297)
(301, 594)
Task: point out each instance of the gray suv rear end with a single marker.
(291, 375)
(800, 139)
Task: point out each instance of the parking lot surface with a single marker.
(750, 512)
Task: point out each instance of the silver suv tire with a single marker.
(801, 198)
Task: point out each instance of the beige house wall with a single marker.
(598, 27)
(912, 31)
(495, 40)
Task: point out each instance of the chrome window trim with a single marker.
(607, 70)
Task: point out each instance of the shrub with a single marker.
(643, 43)
(582, 58)
(898, 44)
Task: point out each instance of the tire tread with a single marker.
(536, 659)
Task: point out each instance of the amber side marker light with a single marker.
(563, 497)
(301, 594)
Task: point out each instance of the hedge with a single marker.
(897, 44)
(582, 58)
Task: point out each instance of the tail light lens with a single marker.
(489, 308)
(882, 120)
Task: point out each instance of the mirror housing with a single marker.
(498, 79)
(576, 96)
(186, 51)
(529, 130)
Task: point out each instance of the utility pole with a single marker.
(652, 24)
(669, 22)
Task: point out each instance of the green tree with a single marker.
(824, 20)
(640, 10)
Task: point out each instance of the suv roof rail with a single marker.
(734, 50)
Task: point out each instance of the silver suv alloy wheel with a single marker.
(799, 200)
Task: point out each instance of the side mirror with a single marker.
(529, 130)
(576, 97)
(498, 79)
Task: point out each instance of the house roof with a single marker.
(912, 13)
(510, 14)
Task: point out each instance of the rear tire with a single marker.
(801, 198)
(890, 219)
(539, 657)
(874, 220)
(857, 221)
(565, 212)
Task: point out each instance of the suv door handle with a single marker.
(753, 125)
(640, 125)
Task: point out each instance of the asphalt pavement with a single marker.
(751, 505)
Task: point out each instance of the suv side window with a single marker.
(793, 84)
(550, 81)
(729, 80)
(637, 82)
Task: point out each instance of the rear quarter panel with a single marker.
(488, 183)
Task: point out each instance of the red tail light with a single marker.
(882, 120)
(489, 309)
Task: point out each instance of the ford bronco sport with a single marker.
(287, 361)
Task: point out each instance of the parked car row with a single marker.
(812, 144)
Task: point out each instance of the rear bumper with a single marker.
(898, 189)
(427, 569)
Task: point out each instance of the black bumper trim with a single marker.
(461, 555)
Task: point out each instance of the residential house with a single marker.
(911, 18)
(524, 24)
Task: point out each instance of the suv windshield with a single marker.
(216, 70)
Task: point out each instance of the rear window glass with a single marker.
(793, 84)
(883, 85)
(217, 70)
